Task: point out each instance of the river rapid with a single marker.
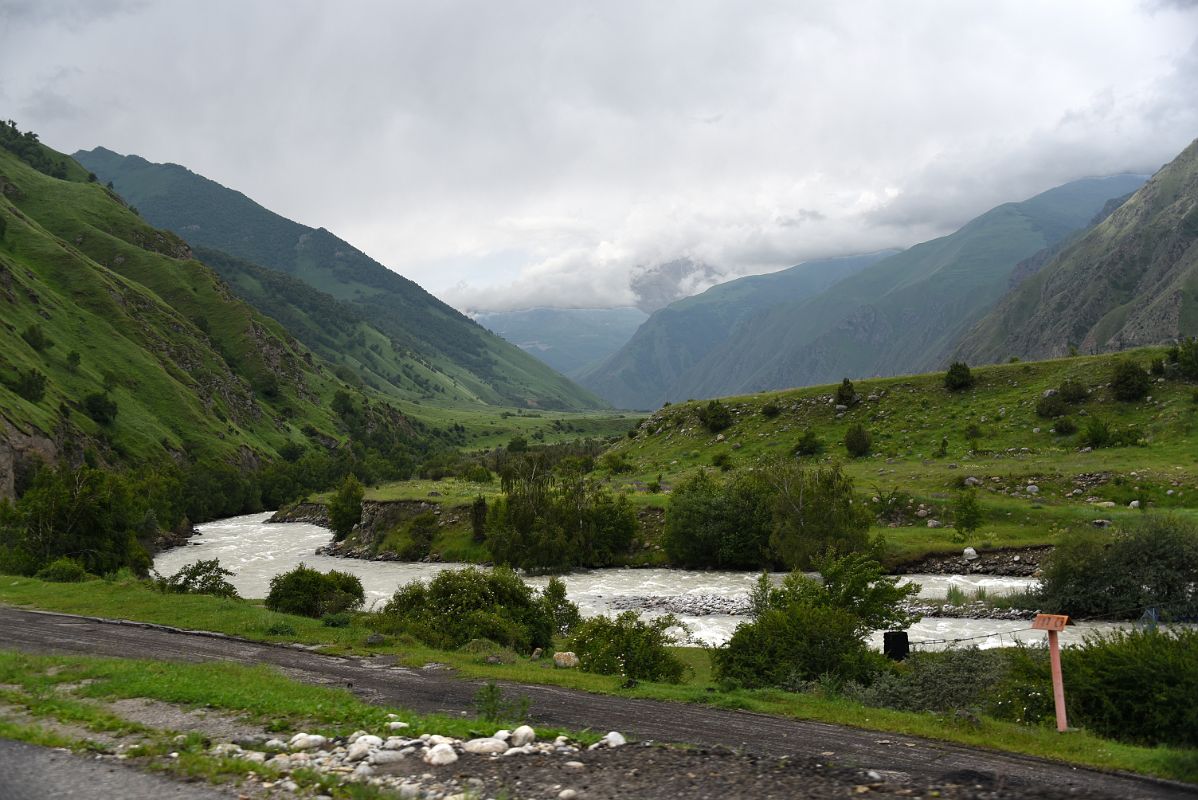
(255, 551)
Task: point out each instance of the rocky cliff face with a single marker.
(19, 451)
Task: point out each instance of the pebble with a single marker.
(567, 794)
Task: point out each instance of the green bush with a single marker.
(1185, 357)
(946, 681)
(339, 620)
(199, 577)
(311, 593)
(1065, 426)
(857, 440)
(723, 524)
(628, 646)
(715, 416)
(62, 570)
(100, 408)
(35, 337)
(808, 445)
(1073, 392)
(1051, 406)
(1096, 574)
(1137, 686)
(846, 393)
(722, 461)
(345, 507)
(459, 605)
(1097, 433)
(814, 512)
(1129, 381)
(967, 516)
(771, 410)
(29, 384)
(958, 377)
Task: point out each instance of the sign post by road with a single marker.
(1054, 624)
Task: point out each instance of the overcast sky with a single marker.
(509, 154)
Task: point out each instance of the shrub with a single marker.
(478, 519)
(628, 646)
(100, 408)
(29, 384)
(719, 524)
(615, 463)
(808, 445)
(339, 620)
(1129, 381)
(846, 393)
(345, 507)
(1051, 406)
(1185, 356)
(199, 577)
(722, 461)
(771, 410)
(715, 416)
(1064, 426)
(958, 377)
(1072, 391)
(1136, 686)
(1153, 564)
(1097, 433)
(967, 516)
(966, 678)
(311, 593)
(416, 541)
(62, 570)
(35, 337)
(857, 440)
(564, 614)
(459, 605)
(813, 512)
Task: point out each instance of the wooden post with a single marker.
(1054, 624)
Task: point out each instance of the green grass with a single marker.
(247, 689)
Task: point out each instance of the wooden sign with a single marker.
(1049, 622)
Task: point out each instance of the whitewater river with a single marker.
(256, 551)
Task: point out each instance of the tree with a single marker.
(857, 440)
(100, 408)
(814, 513)
(846, 394)
(311, 593)
(958, 377)
(345, 509)
(967, 517)
(1129, 381)
(721, 524)
(35, 337)
(73, 359)
(478, 519)
(808, 445)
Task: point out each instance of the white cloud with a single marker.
(540, 153)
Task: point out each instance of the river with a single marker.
(255, 551)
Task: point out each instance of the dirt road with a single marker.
(425, 691)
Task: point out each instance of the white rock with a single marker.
(561, 741)
(357, 751)
(363, 772)
(1134, 504)
(395, 743)
(934, 523)
(565, 660)
(614, 739)
(575, 765)
(409, 791)
(387, 757)
(567, 794)
(436, 740)
(969, 554)
(502, 735)
(522, 736)
(253, 755)
(275, 744)
(281, 762)
(353, 737)
(306, 741)
(226, 749)
(1033, 488)
(288, 786)
(485, 747)
(396, 726)
(519, 751)
(440, 754)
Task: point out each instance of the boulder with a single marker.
(485, 747)
(934, 523)
(440, 755)
(969, 554)
(565, 660)
(1033, 488)
(522, 736)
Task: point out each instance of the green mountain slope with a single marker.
(423, 333)
(1132, 280)
(645, 372)
(906, 313)
(568, 339)
(98, 304)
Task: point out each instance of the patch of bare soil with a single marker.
(169, 717)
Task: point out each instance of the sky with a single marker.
(515, 154)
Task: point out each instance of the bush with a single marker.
(1153, 564)
(62, 570)
(345, 507)
(35, 337)
(967, 516)
(1072, 391)
(715, 416)
(100, 408)
(1185, 357)
(311, 593)
(808, 445)
(1129, 381)
(1064, 426)
(339, 620)
(1136, 686)
(459, 605)
(1051, 406)
(719, 524)
(1097, 433)
(628, 646)
(857, 440)
(478, 519)
(722, 461)
(958, 377)
(771, 410)
(946, 681)
(814, 512)
(29, 384)
(419, 540)
(199, 577)
(564, 613)
(846, 393)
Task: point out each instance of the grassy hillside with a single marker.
(1131, 281)
(422, 332)
(905, 313)
(646, 371)
(909, 416)
(570, 340)
(98, 304)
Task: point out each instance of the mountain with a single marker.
(568, 339)
(1132, 280)
(644, 373)
(905, 313)
(116, 345)
(413, 336)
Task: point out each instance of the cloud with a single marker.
(547, 153)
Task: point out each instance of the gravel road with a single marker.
(377, 680)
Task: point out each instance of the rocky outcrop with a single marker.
(378, 518)
(17, 450)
